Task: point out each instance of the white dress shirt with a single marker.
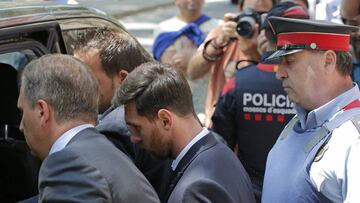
(174, 164)
(65, 138)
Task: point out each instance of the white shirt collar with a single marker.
(65, 138)
(174, 164)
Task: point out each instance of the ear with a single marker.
(166, 118)
(329, 60)
(120, 76)
(44, 111)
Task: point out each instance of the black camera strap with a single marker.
(245, 62)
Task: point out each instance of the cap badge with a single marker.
(285, 47)
(313, 45)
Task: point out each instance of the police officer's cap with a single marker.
(286, 9)
(295, 35)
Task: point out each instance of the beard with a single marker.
(159, 146)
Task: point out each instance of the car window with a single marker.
(74, 29)
(17, 59)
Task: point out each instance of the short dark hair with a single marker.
(118, 50)
(154, 86)
(344, 62)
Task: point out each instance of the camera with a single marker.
(246, 22)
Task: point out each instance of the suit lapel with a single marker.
(203, 144)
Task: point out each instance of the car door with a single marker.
(18, 46)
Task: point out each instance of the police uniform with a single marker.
(252, 115)
(316, 156)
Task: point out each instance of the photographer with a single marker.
(219, 54)
(251, 116)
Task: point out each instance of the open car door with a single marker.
(18, 46)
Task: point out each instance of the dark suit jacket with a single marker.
(91, 169)
(210, 172)
(112, 125)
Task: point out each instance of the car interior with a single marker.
(19, 168)
(18, 179)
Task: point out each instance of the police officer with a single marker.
(316, 156)
(252, 115)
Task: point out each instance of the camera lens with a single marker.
(245, 27)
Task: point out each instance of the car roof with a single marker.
(21, 12)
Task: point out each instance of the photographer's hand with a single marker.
(263, 43)
(228, 30)
(249, 45)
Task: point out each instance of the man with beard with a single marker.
(160, 114)
(111, 55)
(178, 38)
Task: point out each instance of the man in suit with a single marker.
(160, 114)
(111, 55)
(59, 101)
